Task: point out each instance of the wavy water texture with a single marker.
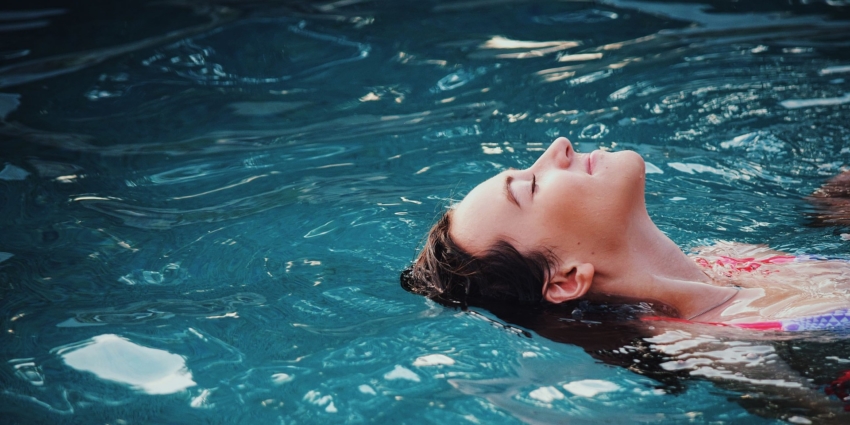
(333, 130)
(39, 69)
(191, 59)
(209, 223)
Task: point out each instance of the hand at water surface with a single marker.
(832, 202)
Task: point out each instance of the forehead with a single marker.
(477, 220)
(483, 190)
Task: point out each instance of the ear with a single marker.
(569, 283)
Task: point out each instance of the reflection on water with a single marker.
(211, 202)
(117, 359)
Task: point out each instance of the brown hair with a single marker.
(503, 277)
(446, 273)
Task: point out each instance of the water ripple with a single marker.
(39, 69)
(163, 218)
(333, 130)
(145, 311)
(210, 59)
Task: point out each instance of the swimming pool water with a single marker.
(205, 206)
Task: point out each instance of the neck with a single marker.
(651, 267)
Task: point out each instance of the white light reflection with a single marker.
(808, 103)
(113, 358)
(526, 49)
(590, 387)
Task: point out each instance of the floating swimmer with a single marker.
(575, 226)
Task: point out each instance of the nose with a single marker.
(559, 154)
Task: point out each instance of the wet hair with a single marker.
(446, 273)
(501, 278)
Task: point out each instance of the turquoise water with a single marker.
(204, 207)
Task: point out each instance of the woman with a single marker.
(575, 226)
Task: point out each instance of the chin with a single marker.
(630, 164)
(632, 168)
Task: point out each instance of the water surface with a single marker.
(204, 207)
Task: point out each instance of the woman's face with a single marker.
(574, 204)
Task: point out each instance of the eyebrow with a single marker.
(508, 193)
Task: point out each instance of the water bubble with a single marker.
(594, 131)
(454, 80)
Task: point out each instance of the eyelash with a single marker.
(533, 184)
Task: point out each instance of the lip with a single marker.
(590, 161)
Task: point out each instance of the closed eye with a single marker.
(533, 184)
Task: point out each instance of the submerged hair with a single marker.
(502, 277)
(448, 274)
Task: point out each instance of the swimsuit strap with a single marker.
(725, 300)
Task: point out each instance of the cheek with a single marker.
(590, 213)
(574, 202)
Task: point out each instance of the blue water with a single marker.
(205, 206)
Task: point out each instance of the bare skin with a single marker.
(589, 210)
